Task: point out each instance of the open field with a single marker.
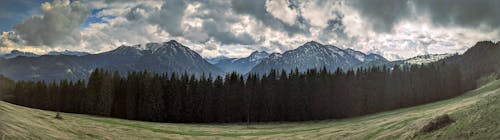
(476, 115)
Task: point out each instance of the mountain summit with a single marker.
(316, 55)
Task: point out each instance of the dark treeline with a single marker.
(276, 96)
(5, 85)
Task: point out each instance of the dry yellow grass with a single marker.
(476, 113)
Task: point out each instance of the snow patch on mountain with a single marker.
(315, 55)
(424, 59)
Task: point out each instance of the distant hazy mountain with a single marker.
(316, 55)
(156, 57)
(216, 60)
(66, 52)
(16, 53)
(242, 65)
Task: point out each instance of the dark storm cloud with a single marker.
(257, 9)
(383, 14)
(466, 13)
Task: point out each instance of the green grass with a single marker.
(477, 116)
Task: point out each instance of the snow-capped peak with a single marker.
(173, 43)
(275, 56)
(257, 56)
(152, 47)
(313, 43)
(357, 54)
(315, 55)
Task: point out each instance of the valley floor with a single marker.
(476, 115)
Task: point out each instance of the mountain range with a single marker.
(171, 56)
(315, 55)
(66, 52)
(164, 57)
(17, 53)
(215, 60)
(242, 65)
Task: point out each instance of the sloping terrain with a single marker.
(166, 57)
(475, 116)
(425, 59)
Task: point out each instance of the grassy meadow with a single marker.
(476, 115)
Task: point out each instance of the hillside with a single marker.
(425, 59)
(475, 113)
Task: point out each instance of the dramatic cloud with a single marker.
(59, 24)
(223, 35)
(215, 20)
(282, 10)
(139, 12)
(473, 14)
(10, 39)
(170, 16)
(257, 9)
(396, 29)
(383, 14)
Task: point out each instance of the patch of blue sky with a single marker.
(13, 12)
(95, 18)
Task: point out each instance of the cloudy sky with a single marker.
(395, 29)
